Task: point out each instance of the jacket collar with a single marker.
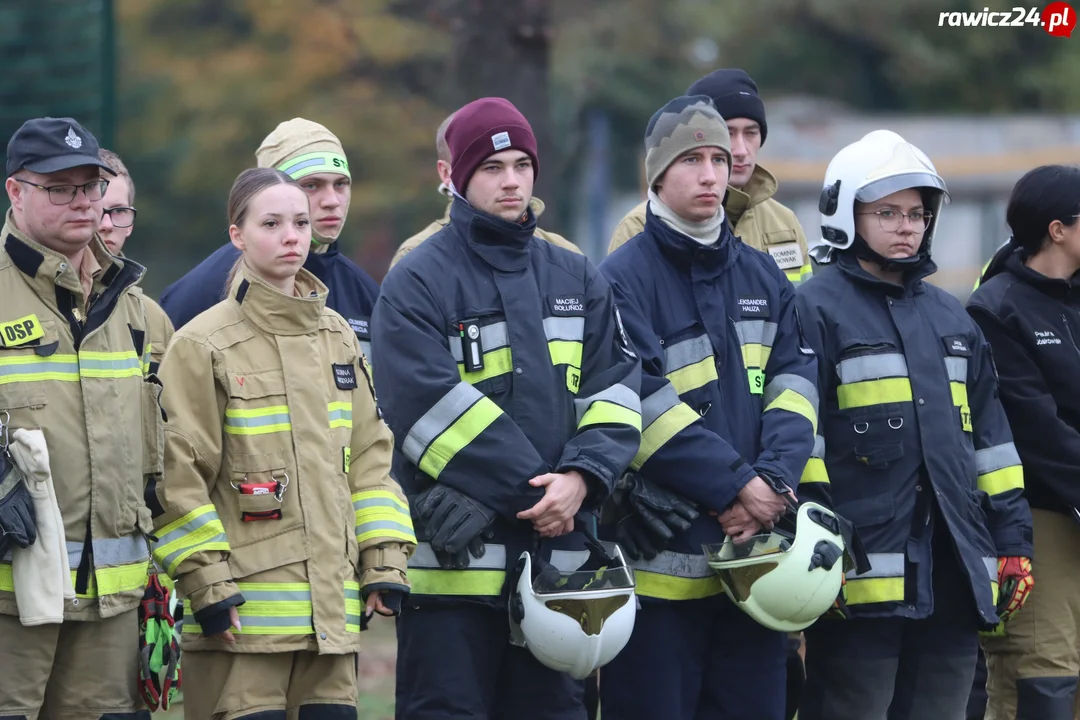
(536, 204)
(912, 283)
(687, 254)
(1054, 287)
(503, 245)
(45, 269)
(274, 312)
(761, 186)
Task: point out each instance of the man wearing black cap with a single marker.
(759, 220)
(74, 357)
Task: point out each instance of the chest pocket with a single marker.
(872, 391)
(29, 358)
(957, 355)
(480, 345)
(689, 360)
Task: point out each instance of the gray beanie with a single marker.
(685, 123)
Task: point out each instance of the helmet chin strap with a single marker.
(863, 251)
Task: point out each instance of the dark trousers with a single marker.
(458, 662)
(696, 660)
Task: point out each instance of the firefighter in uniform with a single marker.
(73, 361)
(918, 450)
(313, 156)
(280, 517)
(512, 393)
(729, 412)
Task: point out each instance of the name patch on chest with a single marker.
(788, 256)
(19, 332)
(360, 327)
(345, 376)
(1046, 337)
(565, 305)
(956, 345)
(754, 307)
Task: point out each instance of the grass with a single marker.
(376, 682)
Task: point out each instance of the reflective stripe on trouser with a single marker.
(1032, 670)
(232, 683)
(676, 576)
(96, 662)
(485, 576)
(884, 582)
(280, 609)
(120, 565)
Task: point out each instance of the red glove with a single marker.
(1014, 584)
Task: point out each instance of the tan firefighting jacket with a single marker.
(268, 389)
(537, 206)
(759, 220)
(82, 378)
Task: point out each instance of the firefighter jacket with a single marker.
(78, 371)
(1032, 323)
(759, 220)
(159, 330)
(727, 390)
(554, 385)
(911, 419)
(352, 291)
(276, 491)
(538, 209)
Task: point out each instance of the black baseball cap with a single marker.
(48, 145)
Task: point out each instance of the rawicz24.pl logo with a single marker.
(1057, 18)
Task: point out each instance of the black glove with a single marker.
(652, 516)
(454, 524)
(18, 523)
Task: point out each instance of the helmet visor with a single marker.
(551, 581)
(883, 187)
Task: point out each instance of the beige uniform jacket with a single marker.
(265, 389)
(761, 222)
(79, 371)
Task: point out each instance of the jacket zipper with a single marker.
(1069, 332)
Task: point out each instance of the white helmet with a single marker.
(785, 580)
(573, 622)
(875, 166)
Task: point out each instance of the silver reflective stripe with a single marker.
(436, 420)
(351, 593)
(298, 621)
(760, 332)
(569, 560)
(957, 368)
(494, 558)
(991, 568)
(128, 363)
(74, 553)
(819, 447)
(492, 337)
(872, 367)
(564, 328)
(676, 565)
(994, 458)
(882, 565)
(187, 528)
(795, 383)
(365, 347)
(388, 525)
(341, 414)
(261, 421)
(120, 551)
(39, 367)
(276, 595)
(303, 165)
(657, 404)
(618, 394)
(686, 353)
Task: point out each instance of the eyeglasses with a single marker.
(121, 217)
(891, 220)
(65, 194)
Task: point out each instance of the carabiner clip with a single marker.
(281, 485)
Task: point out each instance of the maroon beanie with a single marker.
(481, 129)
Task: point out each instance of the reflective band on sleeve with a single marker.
(999, 469)
(380, 514)
(617, 405)
(663, 416)
(257, 421)
(815, 471)
(676, 576)
(884, 582)
(794, 394)
(199, 530)
(340, 414)
(354, 607)
(31, 368)
(451, 424)
(873, 392)
(690, 364)
(315, 162)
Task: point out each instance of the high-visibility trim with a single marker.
(497, 362)
(492, 337)
(693, 376)
(257, 421)
(200, 530)
(451, 424)
(957, 369)
(884, 582)
(565, 328)
(484, 577)
(871, 367)
(120, 551)
(354, 607)
(873, 392)
(999, 469)
(120, 565)
(110, 364)
(756, 338)
(115, 580)
(794, 394)
(315, 162)
(663, 416)
(799, 275)
(565, 352)
(676, 576)
(31, 368)
(340, 413)
(147, 351)
(959, 393)
(815, 470)
(277, 609)
(616, 405)
(690, 364)
(382, 514)
(755, 356)
(365, 348)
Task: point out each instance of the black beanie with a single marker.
(734, 94)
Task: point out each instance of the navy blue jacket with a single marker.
(727, 388)
(352, 291)
(911, 419)
(558, 389)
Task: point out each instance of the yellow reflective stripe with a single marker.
(340, 413)
(959, 393)
(1003, 480)
(258, 421)
(122, 578)
(199, 530)
(354, 607)
(793, 402)
(460, 433)
(456, 582)
(31, 368)
(667, 426)
(755, 355)
(814, 472)
(669, 587)
(799, 274)
(497, 362)
(874, 590)
(602, 412)
(873, 392)
(565, 352)
(693, 376)
(110, 364)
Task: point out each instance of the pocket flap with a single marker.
(865, 512)
(258, 462)
(273, 552)
(250, 386)
(776, 237)
(878, 454)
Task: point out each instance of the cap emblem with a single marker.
(72, 139)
